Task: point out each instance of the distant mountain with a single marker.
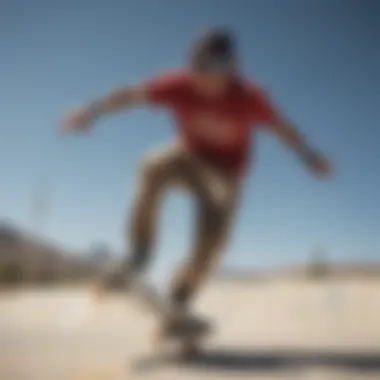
(331, 270)
(37, 257)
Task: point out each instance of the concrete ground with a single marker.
(267, 330)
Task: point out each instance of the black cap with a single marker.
(215, 49)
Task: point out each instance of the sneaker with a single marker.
(185, 325)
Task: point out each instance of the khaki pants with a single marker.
(215, 193)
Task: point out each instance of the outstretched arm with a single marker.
(119, 99)
(162, 90)
(265, 113)
(82, 117)
(288, 134)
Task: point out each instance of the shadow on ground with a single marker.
(270, 360)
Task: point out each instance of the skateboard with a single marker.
(191, 332)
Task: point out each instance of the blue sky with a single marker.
(319, 59)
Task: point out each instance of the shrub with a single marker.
(11, 274)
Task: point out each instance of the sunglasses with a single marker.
(215, 65)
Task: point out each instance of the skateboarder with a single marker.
(216, 110)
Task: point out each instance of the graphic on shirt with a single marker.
(212, 128)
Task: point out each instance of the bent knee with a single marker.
(215, 221)
(150, 166)
(158, 165)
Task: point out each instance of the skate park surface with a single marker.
(276, 329)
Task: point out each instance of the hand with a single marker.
(79, 119)
(319, 164)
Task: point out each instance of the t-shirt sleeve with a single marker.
(165, 89)
(261, 109)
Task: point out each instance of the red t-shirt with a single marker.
(218, 129)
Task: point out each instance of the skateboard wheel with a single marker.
(190, 348)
